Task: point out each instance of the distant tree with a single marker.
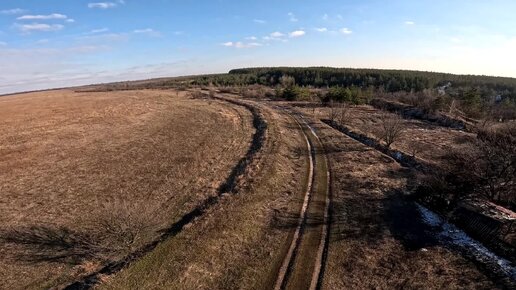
(287, 81)
(291, 93)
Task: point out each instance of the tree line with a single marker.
(476, 96)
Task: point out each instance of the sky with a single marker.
(57, 43)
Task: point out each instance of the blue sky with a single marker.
(54, 43)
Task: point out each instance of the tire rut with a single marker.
(309, 239)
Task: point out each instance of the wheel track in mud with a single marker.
(303, 265)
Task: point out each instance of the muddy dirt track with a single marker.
(302, 266)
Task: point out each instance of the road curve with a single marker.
(304, 261)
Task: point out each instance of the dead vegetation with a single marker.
(237, 243)
(378, 240)
(391, 129)
(430, 143)
(86, 178)
(481, 168)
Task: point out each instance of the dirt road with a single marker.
(303, 264)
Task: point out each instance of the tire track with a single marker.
(303, 265)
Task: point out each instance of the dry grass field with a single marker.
(377, 238)
(430, 142)
(86, 178)
(238, 244)
(89, 177)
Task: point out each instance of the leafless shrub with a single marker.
(122, 227)
(415, 147)
(391, 128)
(488, 165)
(339, 112)
(434, 188)
(485, 168)
(343, 114)
(333, 112)
(198, 95)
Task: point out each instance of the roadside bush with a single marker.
(484, 168)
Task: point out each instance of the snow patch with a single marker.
(450, 234)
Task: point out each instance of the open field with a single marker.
(377, 238)
(86, 178)
(425, 140)
(239, 243)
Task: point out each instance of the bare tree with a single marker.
(391, 129)
(333, 113)
(343, 113)
(487, 166)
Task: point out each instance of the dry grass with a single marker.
(88, 177)
(377, 238)
(429, 142)
(238, 244)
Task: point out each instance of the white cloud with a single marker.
(147, 31)
(99, 30)
(104, 38)
(259, 21)
(297, 33)
(277, 34)
(322, 29)
(325, 17)
(292, 17)
(102, 5)
(70, 20)
(408, 22)
(27, 28)
(346, 31)
(240, 44)
(43, 17)
(12, 11)
(251, 38)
